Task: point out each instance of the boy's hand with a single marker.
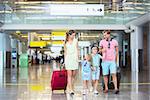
(103, 50)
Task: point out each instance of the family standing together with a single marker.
(108, 47)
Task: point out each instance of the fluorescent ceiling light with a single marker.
(32, 7)
(43, 38)
(59, 2)
(130, 3)
(49, 2)
(24, 36)
(18, 32)
(30, 11)
(89, 36)
(118, 18)
(139, 8)
(127, 3)
(147, 4)
(58, 38)
(8, 12)
(136, 12)
(55, 17)
(129, 8)
(58, 45)
(113, 12)
(46, 17)
(27, 2)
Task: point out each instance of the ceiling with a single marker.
(38, 12)
(32, 13)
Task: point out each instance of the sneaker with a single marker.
(87, 91)
(105, 91)
(95, 92)
(116, 92)
(91, 89)
(72, 92)
(84, 92)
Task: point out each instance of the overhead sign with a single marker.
(37, 44)
(77, 9)
(58, 38)
(56, 35)
(57, 43)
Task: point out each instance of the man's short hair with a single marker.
(106, 31)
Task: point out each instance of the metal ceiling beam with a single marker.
(8, 27)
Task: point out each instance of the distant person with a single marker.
(71, 58)
(109, 47)
(40, 57)
(62, 59)
(48, 58)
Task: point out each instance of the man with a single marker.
(109, 49)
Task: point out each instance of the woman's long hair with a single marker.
(70, 32)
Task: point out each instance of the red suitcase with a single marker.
(59, 80)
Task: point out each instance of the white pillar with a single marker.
(135, 85)
(4, 47)
(19, 47)
(133, 51)
(85, 51)
(1, 59)
(149, 53)
(148, 48)
(29, 40)
(81, 52)
(136, 44)
(1, 67)
(89, 49)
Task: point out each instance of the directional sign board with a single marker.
(77, 9)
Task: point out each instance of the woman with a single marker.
(71, 58)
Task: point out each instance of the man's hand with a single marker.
(117, 55)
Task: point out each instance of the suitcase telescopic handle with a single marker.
(62, 67)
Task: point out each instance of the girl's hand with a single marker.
(93, 68)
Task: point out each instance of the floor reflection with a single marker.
(33, 83)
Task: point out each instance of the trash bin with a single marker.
(23, 60)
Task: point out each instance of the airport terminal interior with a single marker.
(32, 37)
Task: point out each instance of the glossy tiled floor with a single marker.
(33, 83)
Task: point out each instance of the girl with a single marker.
(86, 73)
